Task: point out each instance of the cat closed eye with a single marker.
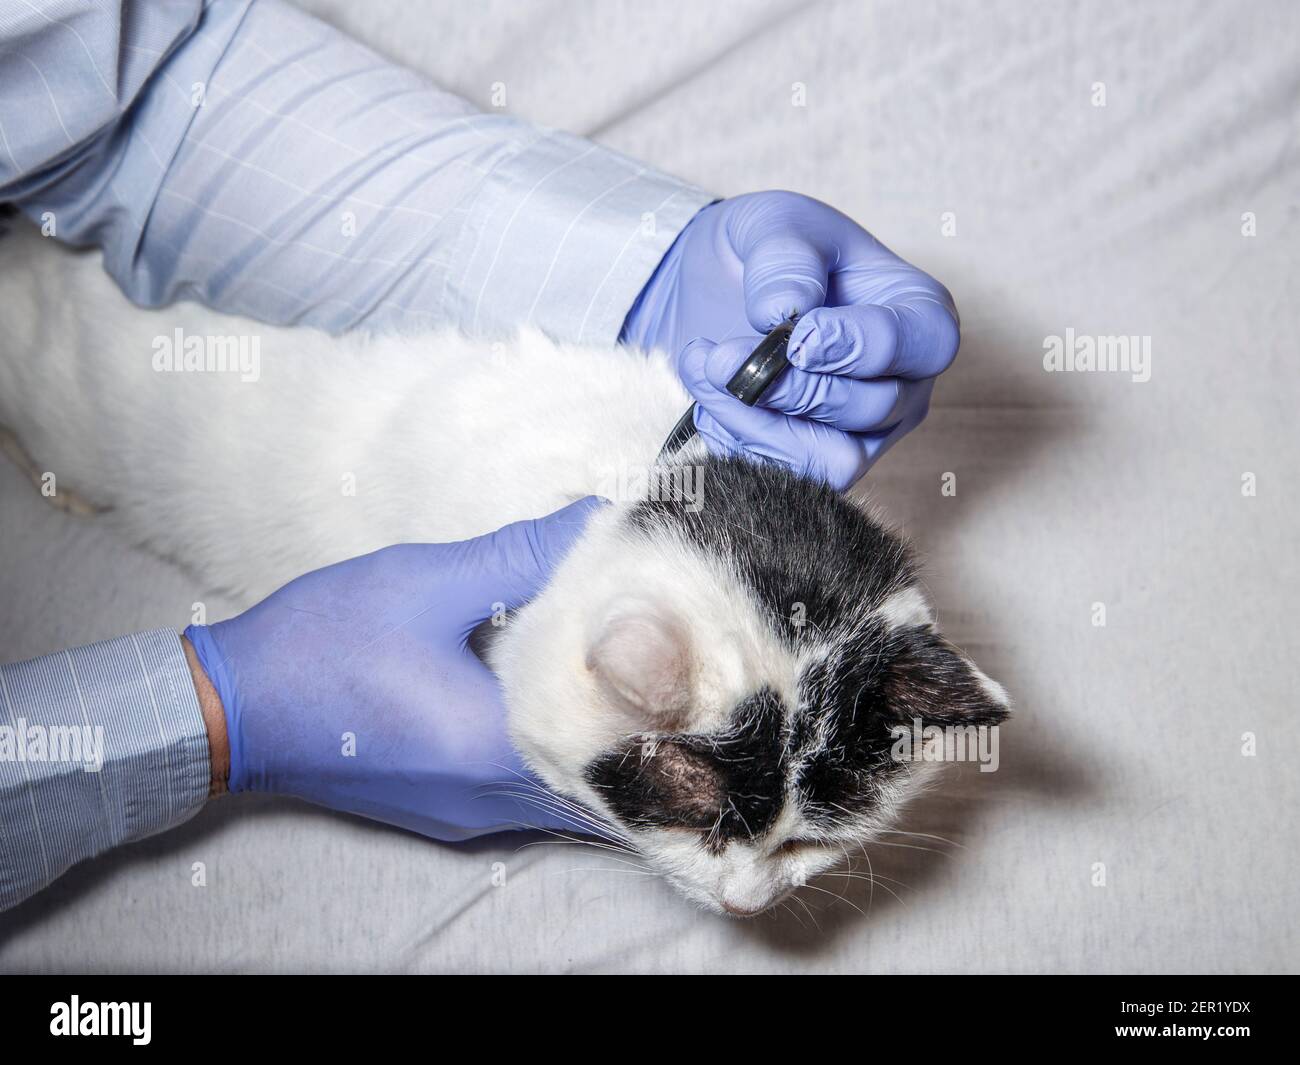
(794, 846)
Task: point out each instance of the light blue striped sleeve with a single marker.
(99, 746)
(273, 167)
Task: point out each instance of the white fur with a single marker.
(444, 438)
(905, 609)
(244, 482)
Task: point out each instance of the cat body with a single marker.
(714, 670)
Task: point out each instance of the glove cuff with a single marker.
(215, 665)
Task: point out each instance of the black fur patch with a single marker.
(842, 740)
(850, 701)
(814, 561)
(928, 678)
(819, 566)
(728, 785)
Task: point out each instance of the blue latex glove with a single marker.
(873, 331)
(377, 648)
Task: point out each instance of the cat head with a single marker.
(721, 680)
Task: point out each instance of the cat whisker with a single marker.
(870, 878)
(787, 908)
(600, 869)
(841, 898)
(638, 864)
(582, 822)
(910, 847)
(561, 837)
(576, 814)
(555, 804)
(598, 844)
(602, 847)
(531, 785)
(921, 835)
(556, 842)
(807, 909)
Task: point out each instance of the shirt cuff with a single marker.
(99, 746)
(562, 235)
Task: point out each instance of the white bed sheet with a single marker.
(1072, 489)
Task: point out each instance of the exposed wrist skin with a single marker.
(214, 720)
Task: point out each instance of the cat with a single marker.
(712, 673)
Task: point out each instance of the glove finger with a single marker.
(494, 789)
(506, 568)
(809, 449)
(784, 275)
(812, 449)
(914, 338)
(844, 402)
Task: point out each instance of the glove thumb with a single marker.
(517, 560)
(784, 275)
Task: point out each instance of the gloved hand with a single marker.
(354, 686)
(873, 331)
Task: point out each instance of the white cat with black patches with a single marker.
(714, 676)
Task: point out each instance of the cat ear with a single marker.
(931, 679)
(640, 655)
